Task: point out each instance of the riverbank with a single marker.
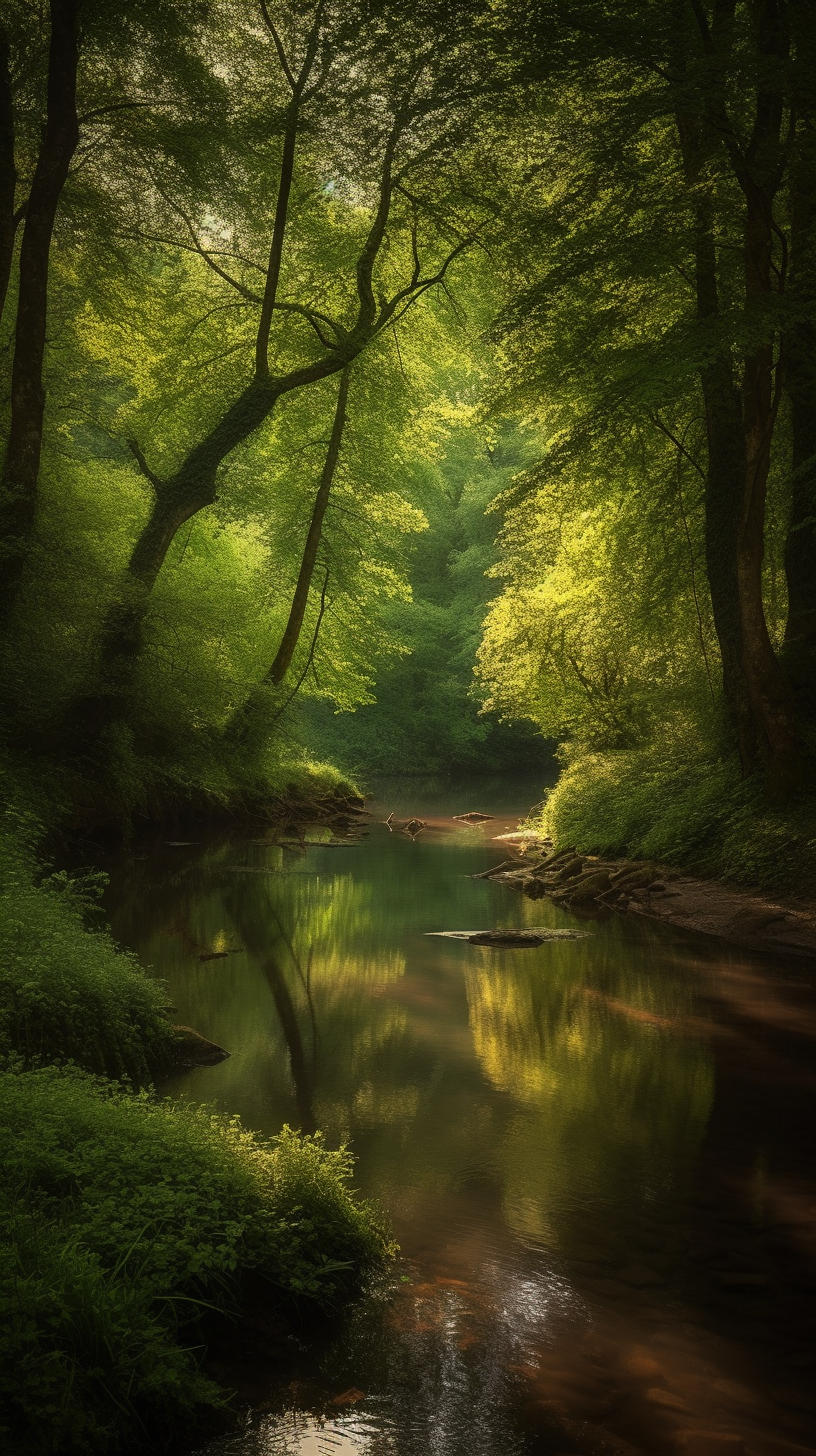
(691, 812)
(591, 885)
(135, 1228)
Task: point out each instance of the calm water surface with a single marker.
(597, 1155)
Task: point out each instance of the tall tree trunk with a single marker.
(800, 377)
(8, 171)
(18, 483)
(725, 481)
(725, 473)
(769, 690)
(291, 635)
(193, 486)
(741, 427)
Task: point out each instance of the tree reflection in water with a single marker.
(537, 1123)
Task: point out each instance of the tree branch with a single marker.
(284, 63)
(114, 106)
(310, 658)
(136, 452)
(656, 420)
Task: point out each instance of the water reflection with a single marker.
(592, 1151)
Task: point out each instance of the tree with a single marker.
(21, 464)
(400, 109)
(675, 207)
(800, 366)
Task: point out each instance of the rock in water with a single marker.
(508, 938)
(194, 1050)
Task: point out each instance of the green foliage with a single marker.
(603, 629)
(676, 803)
(126, 1221)
(66, 990)
(426, 717)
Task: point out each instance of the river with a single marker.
(596, 1154)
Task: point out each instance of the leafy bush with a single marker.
(67, 991)
(124, 1220)
(691, 810)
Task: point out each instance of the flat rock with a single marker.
(537, 936)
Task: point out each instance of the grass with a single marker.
(125, 1219)
(67, 992)
(692, 810)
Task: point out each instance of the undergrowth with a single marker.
(693, 811)
(67, 992)
(125, 1221)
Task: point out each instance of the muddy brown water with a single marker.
(597, 1155)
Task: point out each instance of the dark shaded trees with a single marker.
(711, 94)
(800, 365)
(21, 465)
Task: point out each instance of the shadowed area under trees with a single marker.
(386, 387)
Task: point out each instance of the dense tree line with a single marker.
(254, 259)
(659, 327)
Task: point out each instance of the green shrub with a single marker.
(693, 811)
(67, 992)
(124, 1219)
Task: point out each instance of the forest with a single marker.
(386, 388)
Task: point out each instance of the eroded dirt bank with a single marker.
(590, 885)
